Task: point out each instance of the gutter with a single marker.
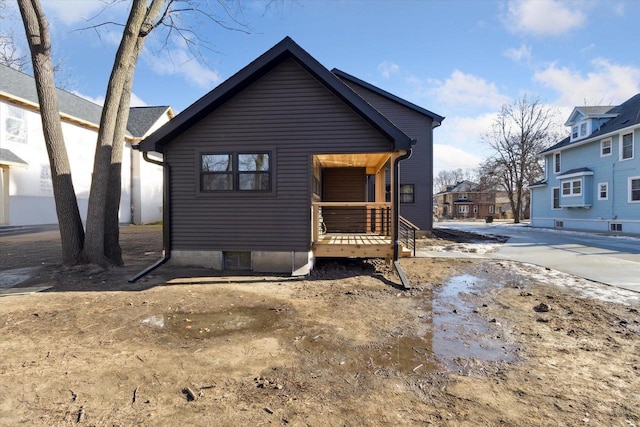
(396, 202)
(166, 217)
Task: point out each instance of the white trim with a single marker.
(588, 140)
(572, 192)
(631, 178)
(620, 142)
(600, 219)
(606, 184)
(610, 141)
(575, 175)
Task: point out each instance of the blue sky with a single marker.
(462, 59)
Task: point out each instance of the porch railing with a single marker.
(351, 217)
(407, 235)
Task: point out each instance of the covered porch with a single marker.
(352, 214)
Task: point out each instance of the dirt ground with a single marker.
(473, 343)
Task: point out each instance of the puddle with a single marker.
(209, 325)
(10, 278)
(460, 334)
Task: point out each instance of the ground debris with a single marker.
(541, 308)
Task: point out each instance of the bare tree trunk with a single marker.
(95, 236)
(112, 250)
(70, 223)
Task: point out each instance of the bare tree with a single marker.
(447, 178)
(521, 131)
(10, 53)
(37, 31)
(100, 244)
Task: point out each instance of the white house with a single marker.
(26, 195)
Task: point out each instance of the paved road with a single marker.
(614, 260)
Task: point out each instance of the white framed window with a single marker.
(574, 132)
(463, 209)
(603, 191)
(556, 163)
(572, 188)
(626, 146)
(492, 209)
(475, 209)
(15, 125)
(605, 147)
(634, 189)
(464, 196)
(583, 130)
(555, 201)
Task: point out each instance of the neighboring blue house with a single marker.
(592, 177)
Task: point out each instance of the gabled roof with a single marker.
(624, 116)
(435, 117)
(286, 49)
(141, 119)
(18, 85)
(21, 87)
(594, 111)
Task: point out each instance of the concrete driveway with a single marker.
(613, 260)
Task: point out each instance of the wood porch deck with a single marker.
(359, 245)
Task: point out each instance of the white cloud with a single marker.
(97, 100)
(523, 53)
(447, 157)
(607, 84)
(387, 68)
(459, 142)
(180, 62)
(73, 11)
(136, 101)
(462, 89)
(544, 17)
(619, 9)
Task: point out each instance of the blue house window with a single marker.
(572, 188)
(556, 198)
(634, 189)
(556, 163)
(603, 191)
(626, 149)
(605, 147)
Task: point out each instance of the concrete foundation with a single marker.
(294, 263)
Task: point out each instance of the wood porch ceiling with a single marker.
(373, 162)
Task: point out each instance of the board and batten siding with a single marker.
(418, 169)
(288, 113)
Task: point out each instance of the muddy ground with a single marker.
(474, 343)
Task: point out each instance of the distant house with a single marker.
(592, 177)
(26, 195)
(273, 168)
(468, 200)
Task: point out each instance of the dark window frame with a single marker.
(412, 193)
(236, 173)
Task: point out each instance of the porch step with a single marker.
(406, 252)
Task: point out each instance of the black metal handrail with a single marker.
(407, 234)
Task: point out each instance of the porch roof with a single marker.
(7, 157)
(286, 49)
